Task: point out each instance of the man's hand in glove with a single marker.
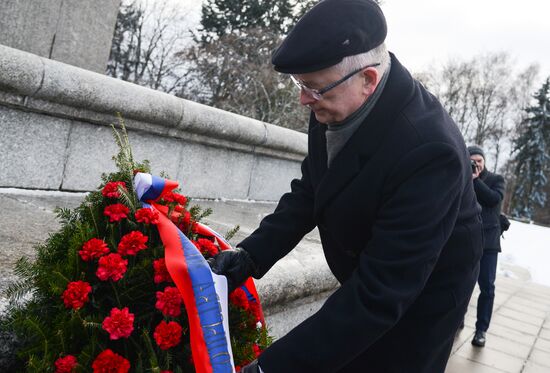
(235, 264)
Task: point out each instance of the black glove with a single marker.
(235, 264)
(251, 368)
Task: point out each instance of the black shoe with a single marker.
(479, 339)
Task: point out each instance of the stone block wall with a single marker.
(55, 125)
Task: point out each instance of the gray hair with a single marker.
(377, 55)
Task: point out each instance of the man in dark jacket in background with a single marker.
(489, 188)
(388, 183)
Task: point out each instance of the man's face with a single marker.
(480, 162)
(341, 101)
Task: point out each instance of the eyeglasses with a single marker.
(317, 94)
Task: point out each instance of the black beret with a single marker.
(475, 149)
(330, 31)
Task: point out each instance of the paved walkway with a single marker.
(518, 340)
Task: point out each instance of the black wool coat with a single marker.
(400, 230)
(489, 188)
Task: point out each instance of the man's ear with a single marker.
(371, 79)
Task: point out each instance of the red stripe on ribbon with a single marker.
(177, 267)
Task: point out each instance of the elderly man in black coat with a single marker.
(387, 181)
(489, 188)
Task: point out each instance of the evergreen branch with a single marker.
(127, 198)
(91, 325)
(207, 212)
(65, 215)
(35, 365)
(195, 212)
(18, 290)
(124, 158)
(92, 215)
(61, 336)
(24, 268)
(232, 232)
(62, 279)
(152, 355)
(32, 323)
(168, 359)
(116, 294)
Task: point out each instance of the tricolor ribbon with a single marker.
(204, 293)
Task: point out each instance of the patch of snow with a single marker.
(527, 246)
(39, 192)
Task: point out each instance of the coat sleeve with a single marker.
(489, 196)
(282, 230)
(419, 209)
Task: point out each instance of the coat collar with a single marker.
(365, 141)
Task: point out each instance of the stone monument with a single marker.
(75, 32)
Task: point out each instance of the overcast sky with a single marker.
(425, 32)
(422, 32)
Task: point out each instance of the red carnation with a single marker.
(168, 197)
(116, 212)
(110, 189)
(180, 199)
(238, 298)
(207, 247)
(185, 221)
(169, 301)
(111, 266)
(66, 364)
(110, 362)
(166, 371)
(93, 249)
(254, 309)
(175, 197)
(167, 334)
(76, 294)
(147, 216)
(119, 324)
(161, 272)
(132, 243)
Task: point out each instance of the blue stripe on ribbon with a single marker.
(208, 307)
(154, 191)
(249, 295)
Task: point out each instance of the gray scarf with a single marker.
(338, 134)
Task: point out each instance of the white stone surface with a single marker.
(32, 155)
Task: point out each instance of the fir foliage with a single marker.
(223, 17)
(48, 330)
(531, 157)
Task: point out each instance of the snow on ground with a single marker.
(527, 246)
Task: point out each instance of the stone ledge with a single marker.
(54, 88)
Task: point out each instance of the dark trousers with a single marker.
(486, 281)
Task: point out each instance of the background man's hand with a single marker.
(475, 175)
(235, 264)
